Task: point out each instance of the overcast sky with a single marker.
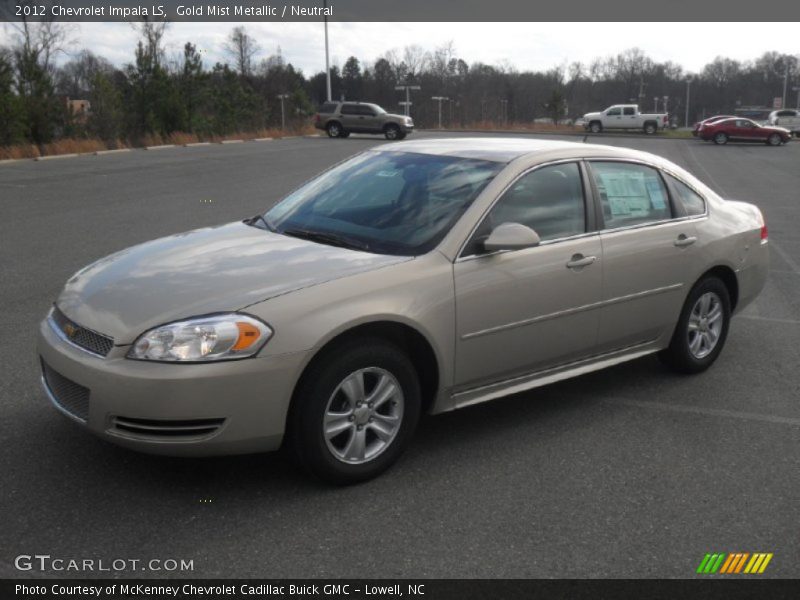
(535, 46)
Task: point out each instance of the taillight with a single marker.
(764, 233)
(316, 118)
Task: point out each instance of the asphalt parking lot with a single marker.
(629, 472)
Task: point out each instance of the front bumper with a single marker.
(230, 407)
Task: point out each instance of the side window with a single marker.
(614, 112)
(328, 108)
(548, 200)
(349, 109)
(628, 110)
(691, 200)
(630, 194)
(366, 111)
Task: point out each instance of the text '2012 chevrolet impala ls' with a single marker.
(423, 276)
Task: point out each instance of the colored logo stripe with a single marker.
(734, 563)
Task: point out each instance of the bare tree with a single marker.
(241, 47)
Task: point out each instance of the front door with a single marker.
(526, 310)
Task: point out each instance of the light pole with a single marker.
(688, 85)
(785, 84)
(327, 61)
(655, 99)
(407, 103)
(283, 97)
(440, 99)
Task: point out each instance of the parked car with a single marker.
(700, 124)
(788, 118)
(744, 130)
(340, 119)
(625, 116)
(411, 278)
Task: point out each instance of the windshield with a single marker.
(384, 202)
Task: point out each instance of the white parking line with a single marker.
(708, 412)
(785, 256)
(770, 319)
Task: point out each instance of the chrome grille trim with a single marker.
(83, 338)
(166, 429)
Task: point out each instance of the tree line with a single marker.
(158, 95)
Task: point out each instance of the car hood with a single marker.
(591, 115)
(216, 269)
(394, 116)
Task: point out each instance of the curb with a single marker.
(55, 156)
(117, 151)
(232, 142)
(159, 147)
(266, 139)
(195, 144)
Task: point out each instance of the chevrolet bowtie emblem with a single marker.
(70, 330)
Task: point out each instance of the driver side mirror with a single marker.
(511, 236)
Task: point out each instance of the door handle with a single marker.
(684, 240)
(579, 260)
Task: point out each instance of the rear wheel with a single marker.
(334, 129)
(356, 411)
(595, 127)
(721, 138)
(650, 128)
(702, 328)
(392, 132)
(774, 140)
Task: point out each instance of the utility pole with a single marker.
(283, 97)
(655, 99)
(688, 85)
(327, 60)
(407, 103)
(785, 84)
(440, 99)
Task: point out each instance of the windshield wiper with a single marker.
(331, 239)
(253, 220)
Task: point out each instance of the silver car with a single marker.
(416, 277)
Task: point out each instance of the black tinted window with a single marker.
(630, 194)
(614, 112)
(548, 200)
(629, 110)
(350, 109)
(691, 200)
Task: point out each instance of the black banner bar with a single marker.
(408, 11)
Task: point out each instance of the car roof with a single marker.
(506, 149)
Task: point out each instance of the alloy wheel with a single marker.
(363, 415)
(705, 325)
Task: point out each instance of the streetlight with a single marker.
(407, 103)
(439, 99)
(688, 85)
(655, 99)
(283, 97)
(327, 61)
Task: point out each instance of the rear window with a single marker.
(328, 108)
(691, 200)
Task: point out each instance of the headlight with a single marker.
(203, 339)
(409, 122)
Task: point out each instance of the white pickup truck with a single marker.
(625, 116)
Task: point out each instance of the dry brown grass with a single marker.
(80, 146)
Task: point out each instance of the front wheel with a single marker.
(392, 132)
(721, 138)
(595, 127)
(774, 140)
(702, 328)
(355, 411)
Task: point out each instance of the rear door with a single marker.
(630, 119)
(648, 252)
(349, 116)
(526, 310)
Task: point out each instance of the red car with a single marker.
(744, 130)
(700, 124)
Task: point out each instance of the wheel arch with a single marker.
(728, 276)
(410, 339)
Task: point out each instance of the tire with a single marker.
(596, 127)
(721, 138)
(699, 335)
(338, 457)
(334, 129)
(402, 136)
(650, 128)
(392, 132)
(774, 140)
(344, 134)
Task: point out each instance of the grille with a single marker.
(87, 339)
(68, 395)
(172, 429)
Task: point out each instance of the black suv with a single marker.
(340, 119)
